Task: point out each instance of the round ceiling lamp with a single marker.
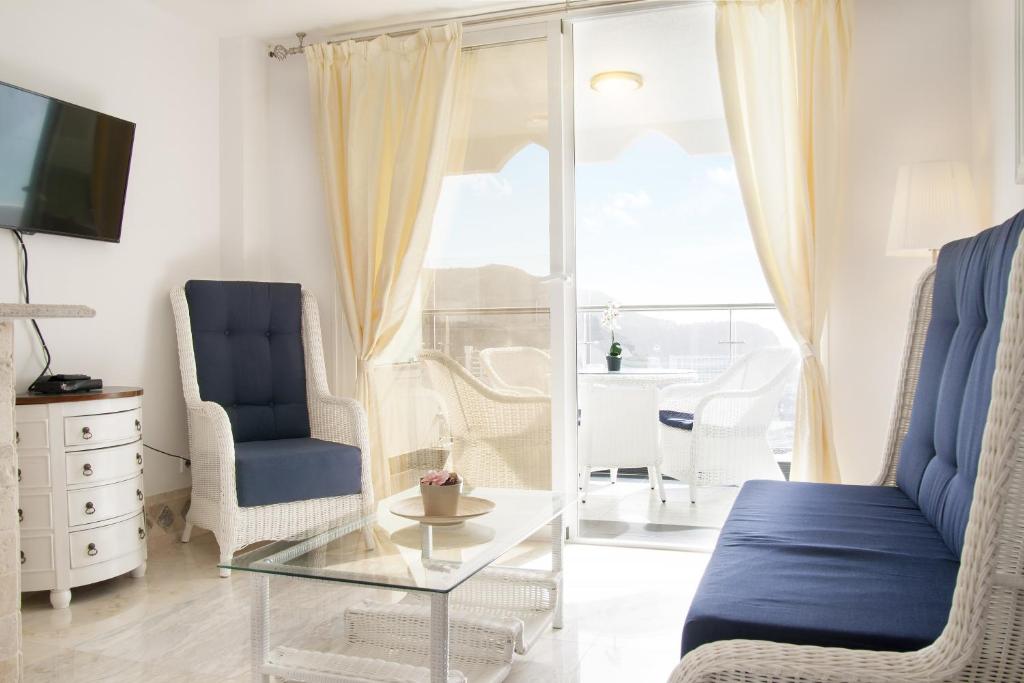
(616, 82)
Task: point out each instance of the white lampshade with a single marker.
(934, 204)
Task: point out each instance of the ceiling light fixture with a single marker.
(616, 82)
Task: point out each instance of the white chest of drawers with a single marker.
(80, 506)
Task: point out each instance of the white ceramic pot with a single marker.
(440, 501)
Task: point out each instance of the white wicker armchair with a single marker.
(983, 639)
(214, 503)
(728, 444)
(497, 439)
(521, 370)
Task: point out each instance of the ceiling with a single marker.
(268, 19)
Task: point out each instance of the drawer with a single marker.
(31, 434)
(33, 468)
(34, 512)
(92, 430)
(104, 464)
(91, 546)
(95, 504)
(36, 553)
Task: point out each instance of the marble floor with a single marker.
(630, 512)
(623, 615)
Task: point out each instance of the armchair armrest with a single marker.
(211, 448)
(729, 410)
(684, 396)
(343, 420)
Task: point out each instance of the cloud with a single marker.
(723, 176)
(617, 211)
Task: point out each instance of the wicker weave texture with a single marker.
(982, 641)
(498, 440)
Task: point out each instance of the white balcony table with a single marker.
(398, 562)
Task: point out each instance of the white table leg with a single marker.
(260, 626)
(426, 540)
(557, 544)
(438, 638)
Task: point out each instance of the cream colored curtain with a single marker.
(782, 66)
(382, 110)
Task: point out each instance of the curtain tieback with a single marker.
(806, 350)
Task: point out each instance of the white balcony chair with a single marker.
(212, 449)
(498, 439)
(523, 370)
(720, 431)
(619, 428)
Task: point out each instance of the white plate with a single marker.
(469, 507)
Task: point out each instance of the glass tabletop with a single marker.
(398, 560)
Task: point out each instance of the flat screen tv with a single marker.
(63, 168)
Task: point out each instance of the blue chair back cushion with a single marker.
(939, 457)
(247, 338)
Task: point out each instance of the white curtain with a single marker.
(782, 66)
(383, 113)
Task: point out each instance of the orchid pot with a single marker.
(440, 491)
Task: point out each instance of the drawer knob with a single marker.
(142, 533)
(91, 550)
(90, 508)
(138, 493)
(87, 470)
(138, 426)
(86, 433)
(22, 556)
(21, 515)
(138, 458)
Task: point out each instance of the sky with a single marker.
(654, 225)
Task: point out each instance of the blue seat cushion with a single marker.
(939, 456)
(676, 419)
(286, 470)
(247, 338)
(825, 564)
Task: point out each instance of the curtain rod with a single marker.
(559, 9)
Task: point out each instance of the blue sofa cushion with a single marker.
(825, 564)
(247, 338)
(939, 457)
(286, 470)
(676, 419)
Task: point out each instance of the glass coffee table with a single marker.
(461, 618)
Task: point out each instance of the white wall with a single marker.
(132, 60)
(908, 101)
(992, 62)
(299, 248)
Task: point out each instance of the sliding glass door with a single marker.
(661, 233)
(469, 379)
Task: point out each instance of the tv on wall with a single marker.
(63, 168)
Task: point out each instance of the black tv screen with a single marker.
(63, 168)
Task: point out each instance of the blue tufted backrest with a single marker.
(939, 456)
(247, 338)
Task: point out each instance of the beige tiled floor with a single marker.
(624, 612)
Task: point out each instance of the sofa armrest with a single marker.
(756, 661)
(211, 450)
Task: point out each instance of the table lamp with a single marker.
(934, 204)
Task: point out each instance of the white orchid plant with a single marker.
(610, 321)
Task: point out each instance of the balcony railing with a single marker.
(704, 338)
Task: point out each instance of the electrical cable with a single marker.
(188, 463)
(28, 300)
